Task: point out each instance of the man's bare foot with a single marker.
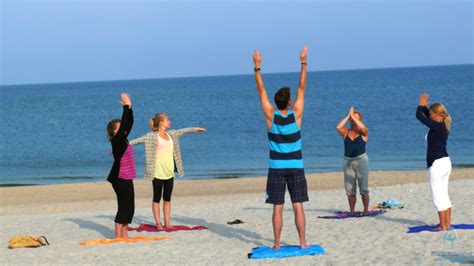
(439, 228)
(276, 246)
(159, 226)
(168, 226)
(303, 246)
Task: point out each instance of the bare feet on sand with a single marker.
(303, 246)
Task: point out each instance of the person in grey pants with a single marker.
(356, 162)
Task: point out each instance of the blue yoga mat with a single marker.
(284, 251)
(429, 228)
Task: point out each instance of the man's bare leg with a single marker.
(277, 220)
(300, 221)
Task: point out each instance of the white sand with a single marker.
(378, 240)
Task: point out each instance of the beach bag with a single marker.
(27, 242)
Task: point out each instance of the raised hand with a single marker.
(424, 97)
(304, 54)
(353, 117)
(257, 59)
(125, 99)
(351, 111)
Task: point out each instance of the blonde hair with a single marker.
(156, 120)
(441, 110)
(356, 111)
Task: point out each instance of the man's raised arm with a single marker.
(267, 107)
(299, 103)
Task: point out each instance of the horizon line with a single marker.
(225, 75)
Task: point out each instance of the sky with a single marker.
(69, 41)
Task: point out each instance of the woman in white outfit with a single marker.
(437, 158)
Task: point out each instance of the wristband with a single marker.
(303, 63)
(256, 69)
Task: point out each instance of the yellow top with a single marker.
(164, 163)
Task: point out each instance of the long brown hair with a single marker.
(111, 128)
(441, 110)
(156, 120)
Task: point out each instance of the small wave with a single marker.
(68, 178)
(463, 165)
(16, 185)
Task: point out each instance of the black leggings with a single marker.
(125, 200)
(165, 186)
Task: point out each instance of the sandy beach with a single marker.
(71, 213)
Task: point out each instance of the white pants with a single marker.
(439, 179)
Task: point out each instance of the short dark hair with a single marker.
(282, 97)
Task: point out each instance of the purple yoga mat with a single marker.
(174, 228)
(344, 215)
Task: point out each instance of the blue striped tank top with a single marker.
(285, 142)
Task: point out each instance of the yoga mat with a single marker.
(429, 228)
(344, 215)
(285, 251)
(106, 241)
(174, 228)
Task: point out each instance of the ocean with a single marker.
(55, 133)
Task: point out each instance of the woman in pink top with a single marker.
(123, 170)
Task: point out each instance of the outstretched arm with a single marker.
(299, 103)
(139, 140)
(340, 127)
(267, 107)
(188, 130)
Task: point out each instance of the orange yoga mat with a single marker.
(106, 241)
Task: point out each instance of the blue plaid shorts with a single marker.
(277, 181)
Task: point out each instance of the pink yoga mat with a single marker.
(152, 228)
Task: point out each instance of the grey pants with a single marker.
(356, 170)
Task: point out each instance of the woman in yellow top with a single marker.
(163, 156)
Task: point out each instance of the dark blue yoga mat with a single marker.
(429, 228)
(285, 251)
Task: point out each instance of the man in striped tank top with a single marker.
(286, 161)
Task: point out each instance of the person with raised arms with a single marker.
(356, 162)
(123, 170)
(438, 120)
(286, 161)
